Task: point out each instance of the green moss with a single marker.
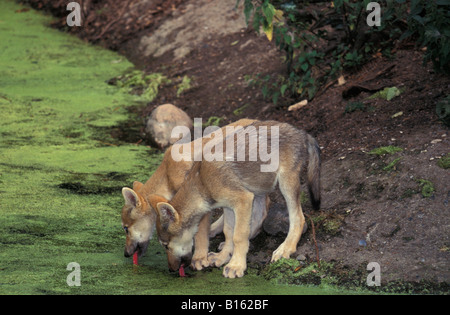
(444, 162)
(213, 121)
(387, 93)
(239, 111)
(281, 271)
(386, 150)
(186, 84)
(138, 83)
(391, 166)
(354, 106)
(332, 226)
(427, 187)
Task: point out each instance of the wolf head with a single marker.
(138, 221)
(177, 240)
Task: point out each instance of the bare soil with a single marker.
(370, 212)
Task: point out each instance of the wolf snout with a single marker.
(141, 248)
(175, 263)
(128, 253)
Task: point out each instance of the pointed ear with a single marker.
(154, 200)
(131, 198)
(137, 186)
(167, 214)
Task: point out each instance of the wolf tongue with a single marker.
(181, 271)
(135, 258)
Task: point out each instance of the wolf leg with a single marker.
(221, 258)
(217, 227)
(200, 258)
(243, 214)
(290, 188)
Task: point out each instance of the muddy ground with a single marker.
(374, 207)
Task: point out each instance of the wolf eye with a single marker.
(125, 229)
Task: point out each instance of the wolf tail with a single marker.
(314, 172)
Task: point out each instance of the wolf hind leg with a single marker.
(290, 188)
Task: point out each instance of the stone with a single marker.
(277, 220)
(161, 122)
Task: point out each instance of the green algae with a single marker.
(61, 173)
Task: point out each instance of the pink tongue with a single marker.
(135, 258)
(181, 271)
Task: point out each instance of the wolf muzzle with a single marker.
(141, 248)
(175, 263)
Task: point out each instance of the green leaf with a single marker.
(257, 20)
(269, 12)
(416, 7)
(265, 91)
(283, 89)
(248, 9)
(392, 92)
(304, 66)
(419, 19)
(275, 97)
(268, 30)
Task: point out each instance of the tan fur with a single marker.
(139, 217)
(233, 186)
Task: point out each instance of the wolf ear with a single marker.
(131, 198)
(167, 214)
(155, 199)
(137, 186)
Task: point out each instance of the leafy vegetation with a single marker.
(313, 55)
(430, 22)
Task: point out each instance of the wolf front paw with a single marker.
(199, 263)
(234, 271)
(282, 252)
(218, 259)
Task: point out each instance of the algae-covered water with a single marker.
(61, 173)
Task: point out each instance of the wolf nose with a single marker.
(127, 254)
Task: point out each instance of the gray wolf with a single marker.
(139, 217)
(235, 185)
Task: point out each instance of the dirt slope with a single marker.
(379, 215)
